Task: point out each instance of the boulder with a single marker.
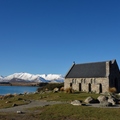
(89, 100)
(111, 100)
(102, 98)
(76, 102)
(56, 90)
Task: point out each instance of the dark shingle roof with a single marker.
(87, 70)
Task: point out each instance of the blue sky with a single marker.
(46, 36)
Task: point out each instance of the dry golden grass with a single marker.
(69, 90)
(62, 89)
(112, 90)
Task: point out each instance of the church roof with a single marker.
(87, 70)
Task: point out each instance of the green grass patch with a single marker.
(70, 112)
(61, 96)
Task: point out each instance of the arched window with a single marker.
(72, 80)
(91, 81)
(80, 87)
(81, 80)
(84, 80)
(89, 87)
(94, 81)
(75, 81)
(100, 88)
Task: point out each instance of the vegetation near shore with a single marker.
(49, 86)
(63, 111)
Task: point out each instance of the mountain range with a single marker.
(27, 77)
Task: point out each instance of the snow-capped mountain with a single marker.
(53, 77)
(1, 78)
(33, 78)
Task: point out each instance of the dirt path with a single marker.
(41, 103)
(23, 108)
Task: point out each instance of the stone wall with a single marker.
(114, 76)
(97, 85)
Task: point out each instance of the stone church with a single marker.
(93, 77)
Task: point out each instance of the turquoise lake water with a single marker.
(16, 89)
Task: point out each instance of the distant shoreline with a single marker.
(18, 84)
(31, 84)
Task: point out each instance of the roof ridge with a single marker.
(95, 62)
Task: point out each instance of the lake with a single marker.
(16, 89)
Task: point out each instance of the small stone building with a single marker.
(93, 77)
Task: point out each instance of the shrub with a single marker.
(62, 89)
(112, 90)
(69, 90)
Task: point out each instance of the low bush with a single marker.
(50, 86)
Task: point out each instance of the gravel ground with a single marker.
(101, 106)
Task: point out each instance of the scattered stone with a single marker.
(13, 105)
(56, 90)
(8, 102)
(36, 92)
(46, 89)
(19, 112)
(7, 96)
(15, 94)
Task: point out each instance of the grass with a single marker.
(69, 97)
(60, 96)
(67, 111)
(58, 111)
(6, 103)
